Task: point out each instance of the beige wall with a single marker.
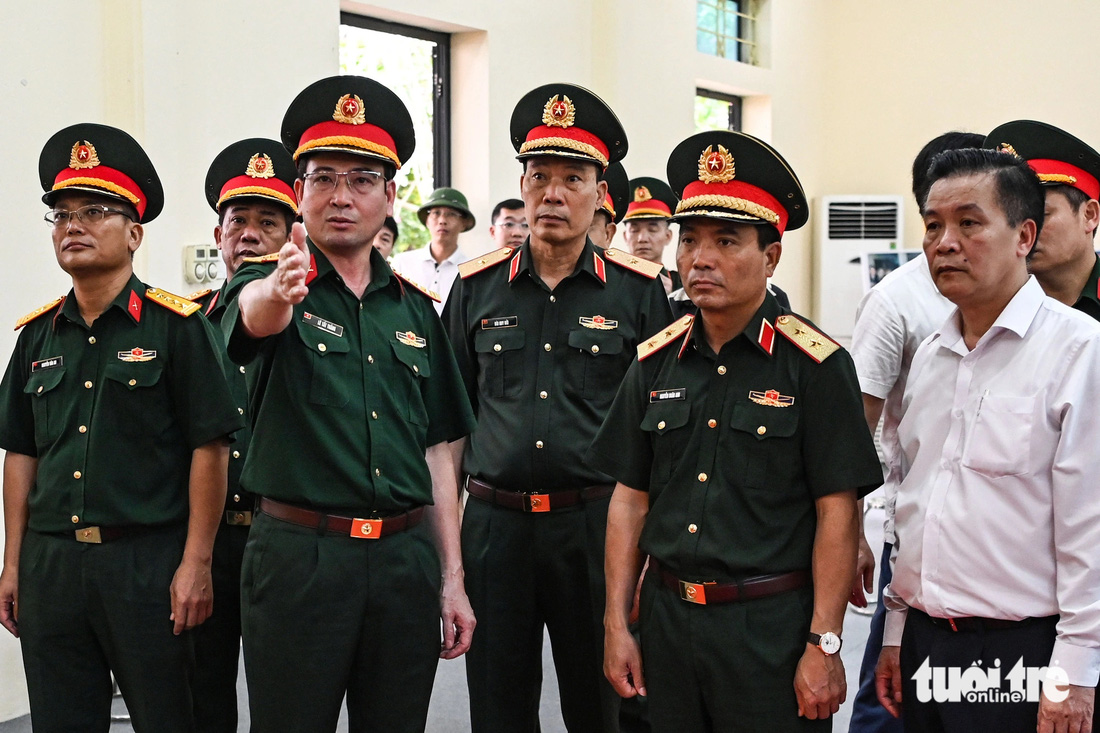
(853, 90)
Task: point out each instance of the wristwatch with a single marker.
(829, 643)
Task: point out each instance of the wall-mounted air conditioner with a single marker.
(847, 228)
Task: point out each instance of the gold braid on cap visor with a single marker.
(258, 191)
(99, 183)
(1058, 178)
(710, 200)
(348, 141)
(564, 142)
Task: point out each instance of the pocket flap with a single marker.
(595, 342)
(42, 382)
(133, 375)
(661, 417)
(321, 342)
(412, 357)
(498, 340)
(764, 421)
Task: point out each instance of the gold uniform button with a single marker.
(661, 425)
(595, 349)
(553, 299)
(91, 339)
(236, 454)
(543, 394)
(378, 472)
(373, 415)
(83, 428)
(132, 382)
(87, 385)
(77, 474)
(693, 528)
(712, 423)
(242, 370)
(721, 370)
(370, 359)
(40, 388)
(496, 347)
(236, 497)
(322, 348)
(702, 477)
(761, 430)
(76, 519)
(547, 347)
(538, 443)
(240, 410)
(416, 369)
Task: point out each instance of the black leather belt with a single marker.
(371, 528)
(759, 586)
(547, 502)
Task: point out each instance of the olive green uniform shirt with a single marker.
(346, 400)
(1089, 302)
(542, 366)
(113, 411)
(735, 447)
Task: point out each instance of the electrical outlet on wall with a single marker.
(202, 263)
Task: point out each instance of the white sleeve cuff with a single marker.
(1082, 664)
(895, 625)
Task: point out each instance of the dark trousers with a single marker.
(524, 572)
(86, 611)
(868, 715)
(218, 640)
(724, 668)
(325, 615)
(922, 640)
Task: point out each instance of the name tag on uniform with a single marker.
(138, 354)
(53, 361)
(499, 322)
(327, 326)
(664, 395)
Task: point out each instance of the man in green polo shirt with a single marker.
(250, 185)
(739, 444)
(115, 415)
(354, 395)
(1064, 259)
(543, 334)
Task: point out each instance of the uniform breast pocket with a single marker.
(500, 361)
(419, 368)
(1000, 441)
(666, 425)
(134, 397)
(47, 402)
(767, 444)
(329, 364)
(595, 365)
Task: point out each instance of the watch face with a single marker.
(830, 643)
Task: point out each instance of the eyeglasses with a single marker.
(361, 182)
(510, 225)
(91, 214)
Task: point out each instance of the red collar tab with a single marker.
(1059, 172)
(766, 339)
(687, 339)
(513, 268)
(312, 273)
(134, 307)
(598, 263)
(213, 302)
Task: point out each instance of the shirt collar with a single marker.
(590, 261)
(1017, 317)
(457, 257)
(381, 273)
(130, 300)
(760, 330)
(1092, 287)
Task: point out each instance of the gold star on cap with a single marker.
(641, 193)
(559, 112)
(83, 155)
(716, 166)
(349, 110)
(260, 166)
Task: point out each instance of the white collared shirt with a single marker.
(892, 320)
(998, 511)
(419, 266)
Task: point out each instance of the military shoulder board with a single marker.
(418, 287)
(38, 312)
(273, 257)
(630, 262)
(660, 340)
(172, 302)
(815, 344)
(199, 294)
(477, 264)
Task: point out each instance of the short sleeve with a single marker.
(450, 416)
(454, 323)
(16, 409)
(878, 344)
(622, 449)
(200, 393)
(241, 347)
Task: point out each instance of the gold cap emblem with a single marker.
(641, 193)
(716, 166)
(559, 112)
(260, 166)
(349, 110)
(83, 155)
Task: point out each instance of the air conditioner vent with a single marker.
(863, 220)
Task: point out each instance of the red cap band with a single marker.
(110, 180)
(741, 196)
(573, 138)
(1056, 171)
(368, 137)
(248, 186)
(654, 207)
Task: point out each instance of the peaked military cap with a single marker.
(1058, 158)
(102, 160)
(650, 198)
(568, 121)
(252, 168)
(349, 114)
(722, 174)
(618, 192)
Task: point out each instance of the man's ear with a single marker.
(773, 252)
(1026, 237)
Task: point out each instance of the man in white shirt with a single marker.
(997, 552)
(891, 321)
(446, 215)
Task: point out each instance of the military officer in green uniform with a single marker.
(250, 185)
(646, 224)
(738, 442)
(611, 211)
(1064, 259)
(543, 334)
(353, 555)
(115, 416)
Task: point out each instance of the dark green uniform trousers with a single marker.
(524, 572)
(86, 611)
(326, 614)
(725, 667)
(218, 640)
